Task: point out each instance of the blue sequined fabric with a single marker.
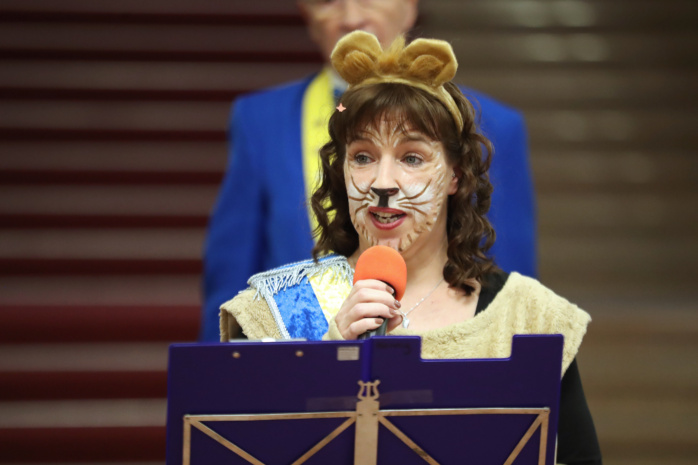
(301, 311)
(291, 297)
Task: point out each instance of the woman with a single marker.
(405, 168)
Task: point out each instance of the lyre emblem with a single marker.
(366, 438)
(368, 390)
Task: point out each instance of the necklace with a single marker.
(405, 320)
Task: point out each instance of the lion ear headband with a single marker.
(425, 63)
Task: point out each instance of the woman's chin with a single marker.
(393, 238)
(393, 243)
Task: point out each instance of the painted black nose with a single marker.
(385, 192)
(383, 195)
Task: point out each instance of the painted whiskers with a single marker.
(419, 199)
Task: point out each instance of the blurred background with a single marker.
(112, 145)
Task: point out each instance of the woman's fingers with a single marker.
(361, 318)
(359, 327)
(371, 290)
(373, 310)
(368, 303)
(373, 284)
(367, 289)
(395, 322)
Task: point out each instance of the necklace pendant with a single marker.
(405, 321)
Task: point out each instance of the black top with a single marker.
(577, 443)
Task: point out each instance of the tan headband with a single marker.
(425, 63)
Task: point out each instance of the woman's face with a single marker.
(398, 181)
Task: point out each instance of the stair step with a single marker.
(580, 87)
(156, 55)
(108, 135)
(613, 173)
(89, 444)
(267, 17)
(47, 385)
(40, 221)
(119, 356)
(100, 115)
(156, 7)
(101, 244)
(496, 15)
(637, 427)
(252, 41)
(109, 178)
(555, 49)
(92, 323)
(82, 94)
(108, 200)
(102, 290)
(616, 254)
(102, 74)
(84, 413)
(91, 267)
(165, 157)
(624, 130)
(571, 214)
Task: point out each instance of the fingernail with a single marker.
(379, 321)
(393, 312)
(398, 304)
(391, 290)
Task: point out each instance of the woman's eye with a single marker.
(413, 160)
(362, 158)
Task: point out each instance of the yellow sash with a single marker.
(331, 290)
(318, 105)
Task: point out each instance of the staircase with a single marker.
(609, 90)
(112, 146)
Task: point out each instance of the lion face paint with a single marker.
(397, 182)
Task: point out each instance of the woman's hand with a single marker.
(368, 303)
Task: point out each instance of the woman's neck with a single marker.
(425, 264)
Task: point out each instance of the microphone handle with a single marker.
(379, 331)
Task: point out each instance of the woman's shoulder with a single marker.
(530, 291)
(248, 314)
(526, 297)
(526, 303)
(521, 306)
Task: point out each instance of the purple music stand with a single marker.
(364, 402)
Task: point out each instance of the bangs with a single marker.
(405, 107)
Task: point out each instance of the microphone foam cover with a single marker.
(384, 264)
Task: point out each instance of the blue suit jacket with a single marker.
(260, 220)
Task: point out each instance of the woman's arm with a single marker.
(576, 435)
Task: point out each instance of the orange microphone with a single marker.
(384, 264)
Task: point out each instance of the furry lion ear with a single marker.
(429, 61)
(355, 56)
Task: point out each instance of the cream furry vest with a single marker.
(522, 306)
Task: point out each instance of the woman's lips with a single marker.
(386, 218)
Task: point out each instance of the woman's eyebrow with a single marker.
(415, 137)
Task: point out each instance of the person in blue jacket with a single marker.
(261, 219)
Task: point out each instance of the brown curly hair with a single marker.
(469, 232)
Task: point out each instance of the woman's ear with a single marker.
(453, 182)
